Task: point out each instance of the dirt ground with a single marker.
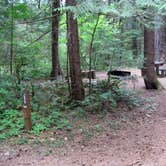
(140, 140)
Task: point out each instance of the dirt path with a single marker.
(140, 141)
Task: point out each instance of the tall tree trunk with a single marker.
(160, 43)
(11, 38)
(56, 71)
(90, 52)
(77, 90)
(165, 33)
(148, 72)
(39, 3)
(109, 2)
(134, 38)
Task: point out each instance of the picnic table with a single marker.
(157, 65)
(162, 69)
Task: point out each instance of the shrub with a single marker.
(9, 94)
(106, 96)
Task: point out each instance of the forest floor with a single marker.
(127, 138)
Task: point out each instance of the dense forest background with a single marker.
(53, 40)
(26, 28)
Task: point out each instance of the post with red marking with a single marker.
(27, 111)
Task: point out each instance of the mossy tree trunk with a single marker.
(77, 90)
(148, 71)
(56, 71)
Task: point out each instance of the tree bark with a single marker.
(77, 90)
(134, 38)
(160, 41)
(148, 71)
(56, 71)
(165, 34)
(90, 52)
(11, 38)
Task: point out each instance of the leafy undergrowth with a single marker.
(52, 110)
(12, 123)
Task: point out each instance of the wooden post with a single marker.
(27, 111)
(93, 75)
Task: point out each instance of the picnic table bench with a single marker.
(157, 65)
(162, 69)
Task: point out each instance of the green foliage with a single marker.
(22, 11)
(127, 97)
(49, 100)
(11, 123)
(49, 96)
(107, 95)
(112, 47)
(19, 11)
(118, 52)
(47, 106)
(9, 93)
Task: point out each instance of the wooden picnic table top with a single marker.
(162, 67)
(159, 63)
